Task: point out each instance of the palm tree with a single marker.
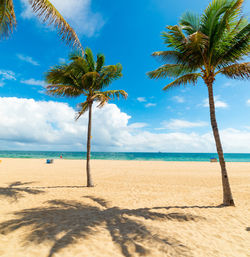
(204, 47)
(46, 11)
(84, 76)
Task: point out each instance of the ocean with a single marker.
(195, 157)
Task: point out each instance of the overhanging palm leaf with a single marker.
(206, 46)
(44, 10)
(7, 18)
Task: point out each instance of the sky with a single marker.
(150, 120)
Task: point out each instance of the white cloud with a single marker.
(34, 82)
(138, 125)
(78, 14)
(141, 99)
(248, 102)
(218, 103)
(27, 124)
(175, 124)
(150, 105)
(179, 99)
(7, 75)
(27, 59)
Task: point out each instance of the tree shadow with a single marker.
(49, 187)
(192, 207)
(65, 222)
(14, 192)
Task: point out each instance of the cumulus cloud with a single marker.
(33, 82)
(176, 124)
(150, 105)
(27, 124)
(218, 103)
(141, 99)
(78, 14)
(248, 102)
(27, 59)
(179, 99)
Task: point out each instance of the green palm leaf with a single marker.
(237, 71)
(50, 15)
(184, 80)
(83, 107)
(7, 18)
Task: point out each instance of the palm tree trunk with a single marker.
(227, 195)
(89, 177)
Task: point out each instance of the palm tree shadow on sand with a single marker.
(64, 222)
(16, 190)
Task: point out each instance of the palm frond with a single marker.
(62, 74)
(109, 74)
(50, 15)
(235, 48)
(83, 107)
(89, 79)
(168, 56)
(212, 14)
(184, 80)
(90, 59)
(7, 18)
(237, 71)
(168, 71)
(196, 48)
(100, 62)
(104, 96)
(174, 37)
(64, 90)
(190, 22)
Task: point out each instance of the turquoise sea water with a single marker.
(201, 157)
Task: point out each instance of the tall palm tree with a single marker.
(46, 11)
(85, 77)
(204, 47)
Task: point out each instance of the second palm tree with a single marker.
(87, 77)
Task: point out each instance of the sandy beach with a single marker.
(138, 208)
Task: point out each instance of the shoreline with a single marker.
(115, 160)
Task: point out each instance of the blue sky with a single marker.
(126, 32)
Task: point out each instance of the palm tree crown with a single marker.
(84, 76)
(46, 11)
(207, 45)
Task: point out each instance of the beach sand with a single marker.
(138, 208)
